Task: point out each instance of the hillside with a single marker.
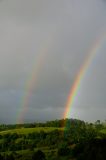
(51, 141)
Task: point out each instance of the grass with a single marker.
(103, 131)
(30, 130)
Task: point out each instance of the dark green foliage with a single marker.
(1, 157)
(63, 151)
(38, 155)
(93, 149)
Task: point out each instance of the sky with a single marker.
(43, 45)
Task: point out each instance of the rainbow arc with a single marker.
(94, 51)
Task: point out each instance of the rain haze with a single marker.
(43, 45)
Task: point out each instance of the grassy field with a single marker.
(103, 131)
(30, 130)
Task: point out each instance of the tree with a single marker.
(97, 122)
(38, 155)
(63, 149)
(94, 149)
(1, 157)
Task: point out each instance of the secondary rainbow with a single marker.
(89, 60)
(32, 80)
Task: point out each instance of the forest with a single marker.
(65, 139)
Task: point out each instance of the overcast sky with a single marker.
(43, 43)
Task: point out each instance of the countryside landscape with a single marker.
(52, 79)
(66, 139)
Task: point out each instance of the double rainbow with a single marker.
(32, 81)
(33, 77)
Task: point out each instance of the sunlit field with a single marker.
(30, 130)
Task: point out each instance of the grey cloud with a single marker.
(65, 31)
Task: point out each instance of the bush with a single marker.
(38, 155)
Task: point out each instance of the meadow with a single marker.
(103, 131)
(30, 130)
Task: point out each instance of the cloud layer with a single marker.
(43, 45)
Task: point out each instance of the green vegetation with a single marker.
(51, 141)
(30, 130)
(103, 131)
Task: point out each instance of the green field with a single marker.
(30, 130)
(103, 131)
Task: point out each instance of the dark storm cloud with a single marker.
(72, 27)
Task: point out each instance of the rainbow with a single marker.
(32, 80)
(94, 51)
